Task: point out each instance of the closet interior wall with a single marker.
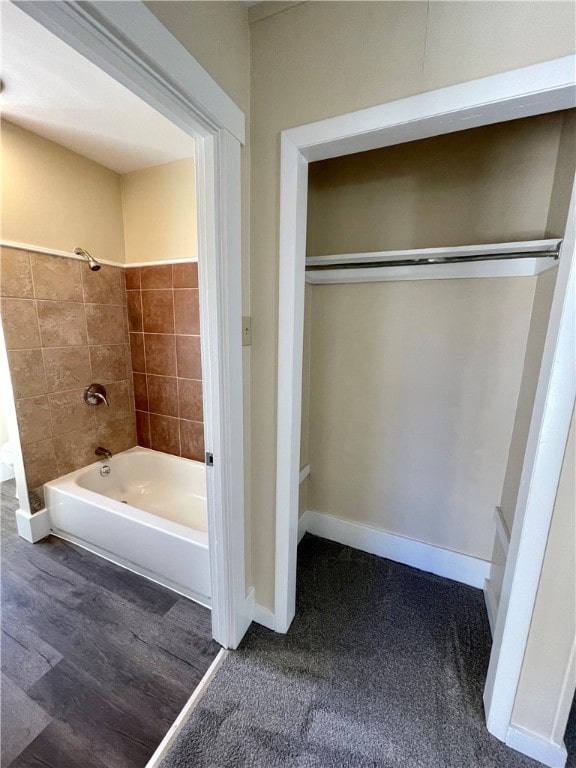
(410, 388)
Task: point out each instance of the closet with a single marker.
(429, 278)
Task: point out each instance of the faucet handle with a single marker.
(95, 394)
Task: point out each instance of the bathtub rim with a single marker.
(67, 485)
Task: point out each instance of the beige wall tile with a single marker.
(34, 421)
(106, 286)
(27, 372)
(118, 395)
(70, 412)
(75, 449)
(108, 363)
(117, 435)
(62, 324)
(105, 324)
(192, 440)
(67, 367)
(40, 463)
(20, 323)
(56, 278)
(15, 274)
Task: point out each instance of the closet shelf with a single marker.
(516, 259)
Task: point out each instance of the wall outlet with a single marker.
(246, 331)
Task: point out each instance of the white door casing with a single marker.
(532, 90)
(127, 42)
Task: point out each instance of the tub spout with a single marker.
(103, 453)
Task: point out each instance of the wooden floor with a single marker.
(96, 661)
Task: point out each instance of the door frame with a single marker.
(524, 92)
(127, 42)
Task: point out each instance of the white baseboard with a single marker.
(302, 525)
(491, 605)
(33, 527)
(549, 753)
(426, 557)
(263, 616)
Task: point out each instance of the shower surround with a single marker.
(164, 324)
(65, 327)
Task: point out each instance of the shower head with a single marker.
(92, 263)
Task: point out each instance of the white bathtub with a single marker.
(148, 514)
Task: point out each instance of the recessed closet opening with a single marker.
(411, 380)
(426, 290)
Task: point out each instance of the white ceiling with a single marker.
(53, 91)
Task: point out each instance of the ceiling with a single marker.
(53, 91)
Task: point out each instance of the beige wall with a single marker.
(535, 345)
(489, 184)
(412, 398)
(322, 59)
(159, 212)
(548, 675)
(55, 198)
(564, 176)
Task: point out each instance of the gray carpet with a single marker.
(383, 667)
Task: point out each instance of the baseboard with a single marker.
(33, 527)
(491, 605)
(426, 557)
(302, 525)
(263, 616)
(532, 745)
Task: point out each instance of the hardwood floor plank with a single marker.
(62, 745)
(135, 589)
(105, 658)
(187, 614)
(25, 656)
(22, 719)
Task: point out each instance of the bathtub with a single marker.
(147, 514)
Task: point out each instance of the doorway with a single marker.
(129, 44)
(536, 90)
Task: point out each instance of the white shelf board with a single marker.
(512, 267)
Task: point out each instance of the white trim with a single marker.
(33, 527)
(543, 457)
(293, 210)
(502, 530)
(502, 268)
(532, 90)
(129, 43)
(183, 260)
(491, 605)
(9, 407)
(189, 707)
(547, 752)
(302, 525)
(426, 557)
(263, 616)
(491, 249)
(70, 255)
(304, 472)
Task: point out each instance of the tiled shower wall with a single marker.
(164, 323)
(65, 327)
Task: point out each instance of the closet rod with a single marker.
(431, 261)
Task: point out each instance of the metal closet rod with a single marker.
(431, 261)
